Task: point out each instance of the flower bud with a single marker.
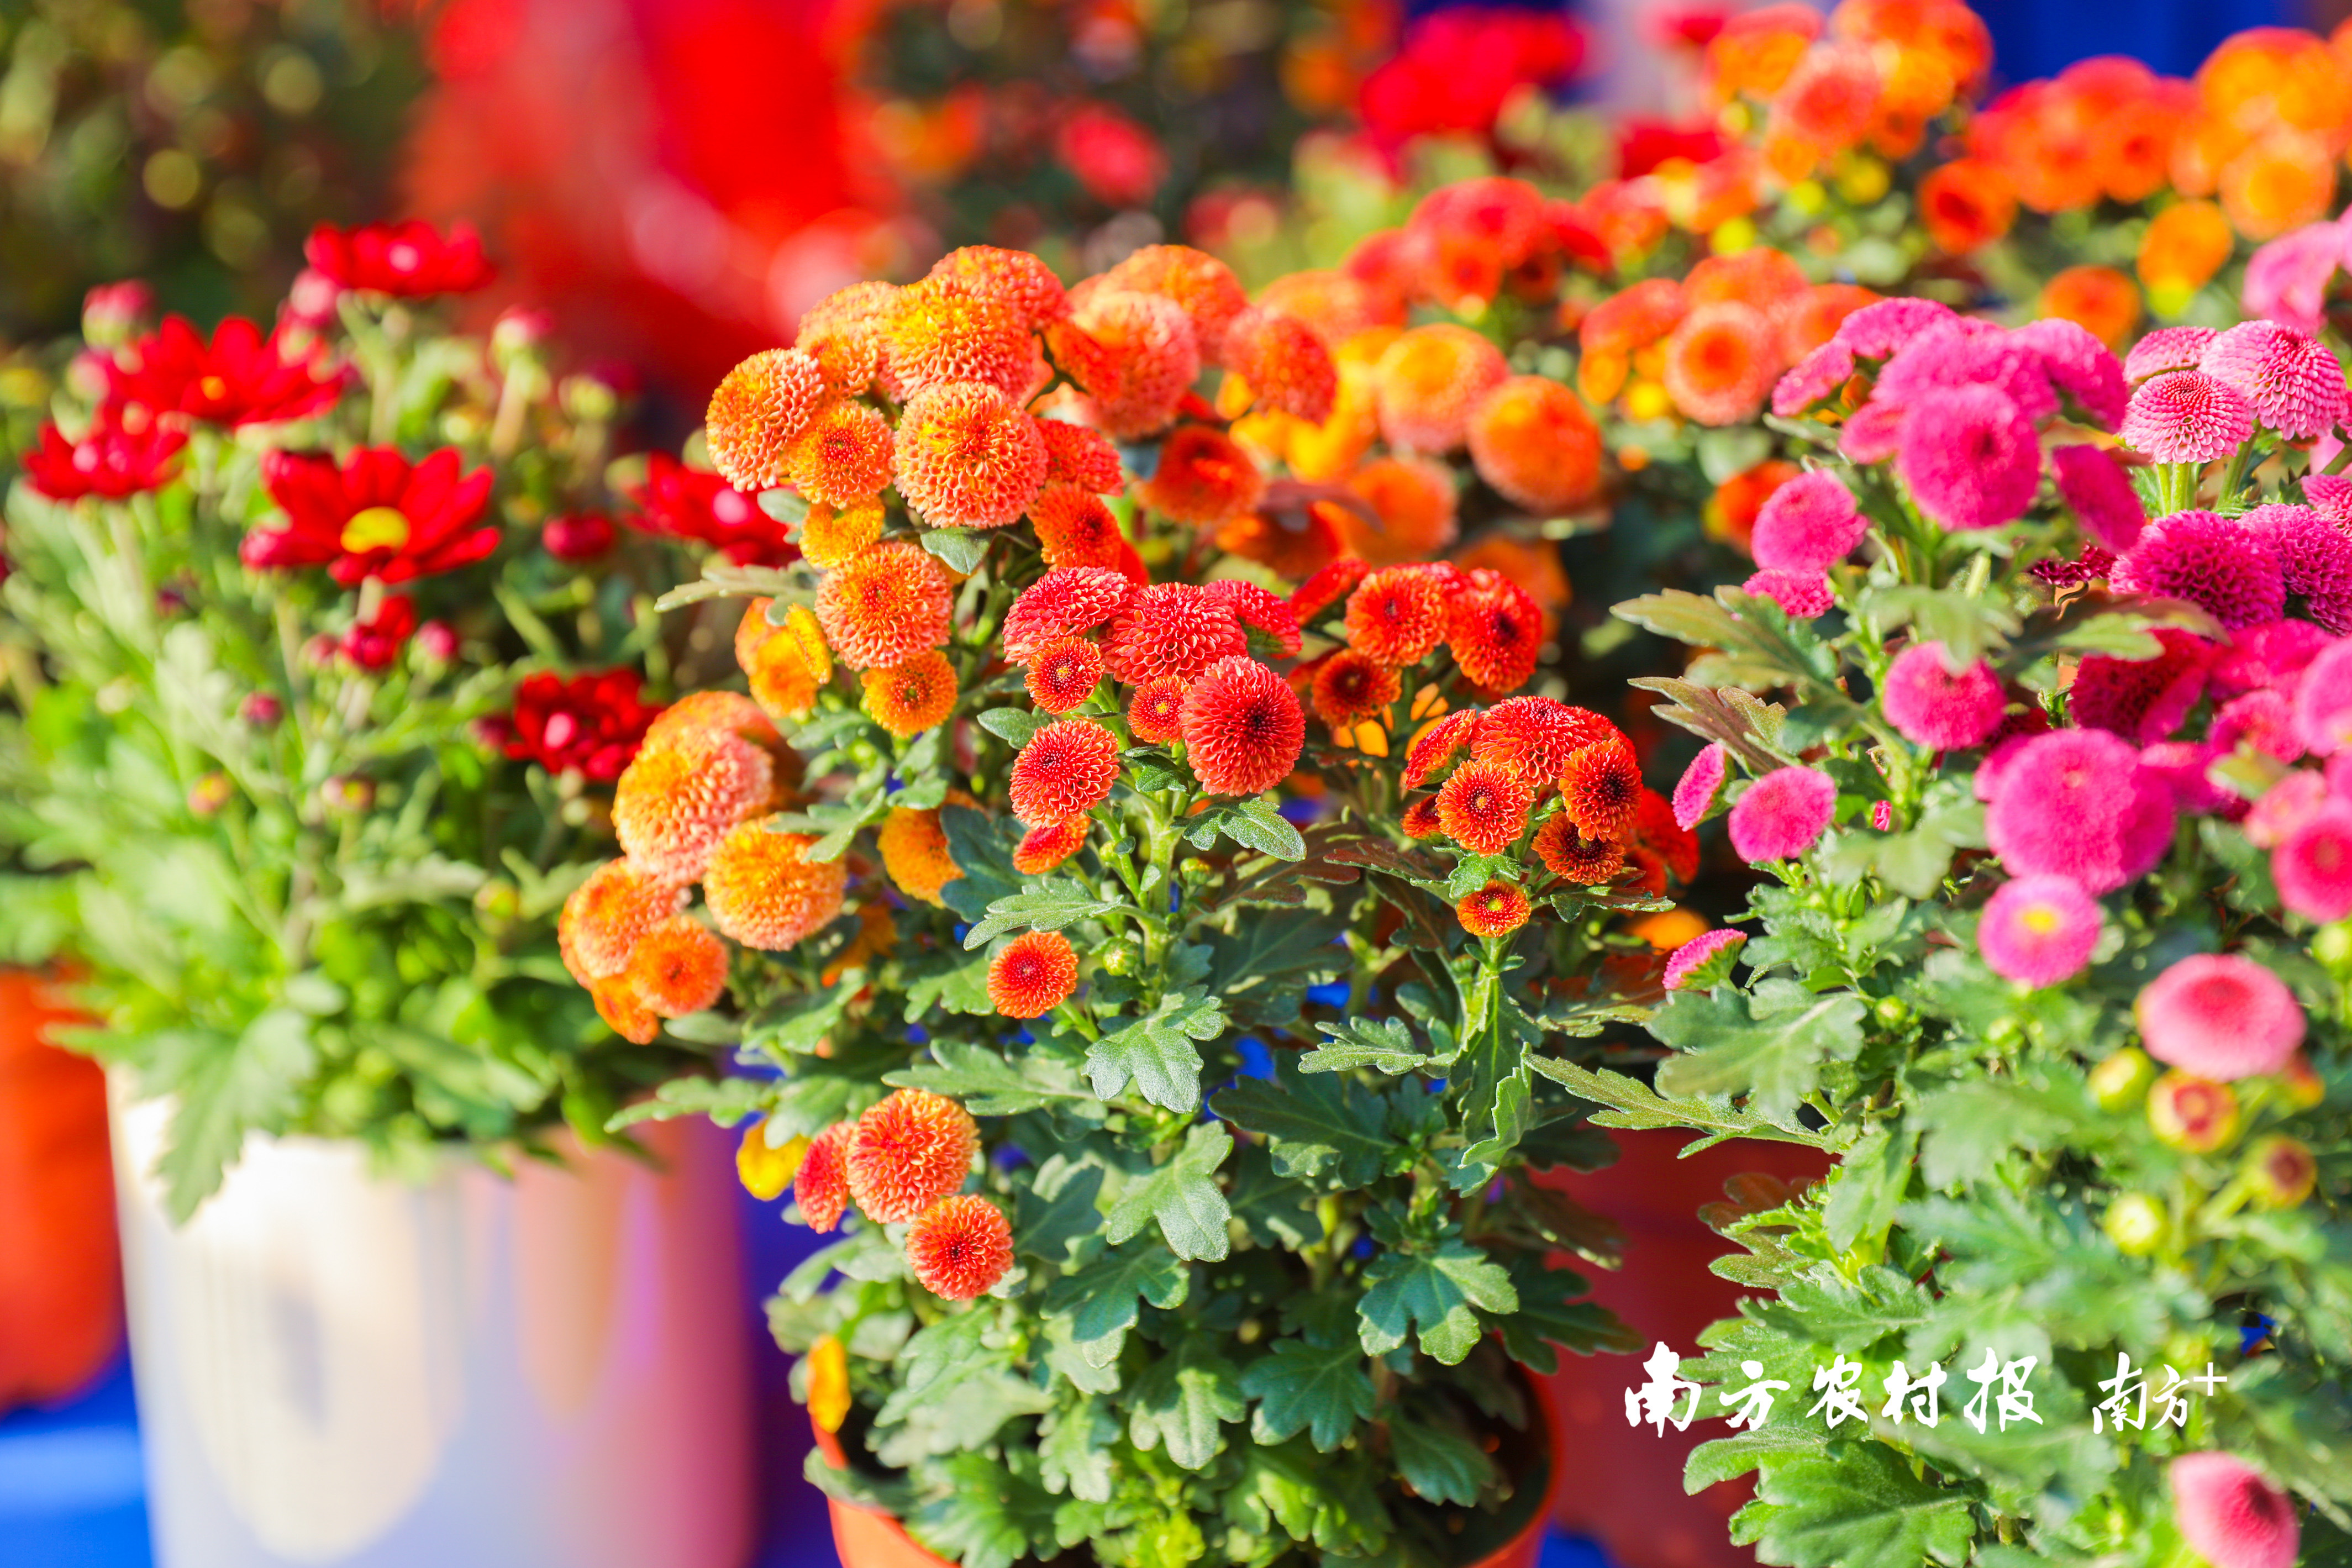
(2279, 1172)
(209, 794)
(765, 1169)
(438, 641)
(582, 537)
(111, 312)
(2304, 1088)
(261, 710)
(588, 399)
(2333, 947)
(346, 795)
(2192, 1114)
(2121, 1080)
(518, 328)
(497, 901)
(2136, 1224)
(2006, 1031)
(86, 375)
(311, 302)
(1892, 1011)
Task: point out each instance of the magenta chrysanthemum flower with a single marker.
(2292, 381)
(2314, 558)
(2094, 486)
(1803, 594)
(1696, 791)
(2270, 655)
(2330, 495)
(2142, 700)
(2221, 1016)
(1873, 434)
(2183, 766)
(2079, 804)
(2215, 563)
(2286, 805)
(1697, 952)
(2167, 348)
(1878, 329)
(2229, 1516)
(2079, 365)
(1970, 457)
(1930, 706)
(2322, 700)
(1966, 353)
(2313, 866)
(2039, 930)
(2264, 719)
(1808, 524)
(1783, 814)
(2187, 416)
(1812, 378)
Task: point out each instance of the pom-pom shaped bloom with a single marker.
(787, 668)
(1419, 820)
(1199, 284)
(2142, 700)
(1808, 524)
(1413, 506)
(844, 457)
(915, 855)
(763, 891)
(1782, 813)
(934, 336)
(959, 1247)
(1930, 706)
(2286, 805)
(1533, 736)
(2079, 365)
(1499, 909)
(2184, 765)
(1067, 769)
(675, 802)
(1243, 727)
(1696, 953)
(1042, 848)
(2291, 379)
(1077, 456)
(1064, 673)
(679, 967)
(885, 606)
(2312, 864)
(2039, 930)
(1877, 331)
(2330, 495)
(625, 1011)
(2273, 655)
(2187, 416)
(1495, 630)
(1285, 362)
(1812, 378)
(1172, 628)
(908, 1152)
(1034, 973)
(1599, 786)
(1720, 362)
(1428, 382)
(2261, 720)
(1075, 528)
(911, 696)
(1397, 615)
(843, 333)
(2322, 702)
(727, 711)
(607, 914)
(2215, 563)
(1327, 587)
(2230, 1516)
(1970, 457)
(758, 408)
(1203, 478)
(967, 456)
(1532, 440)
(1697, 791)
(1350, 687)
(2093, 484)
(820, 1186)
(1155, 711)
(2079, 804)
(2220, 1016)
(1063, 602)
(1484, 807)
(1013, 279)
(1801, 594)
(1260, 610)
(1435, 746)
(1136, 356)
(2167, 348)
(831, 535)
(1570, 855)
(2315, 560)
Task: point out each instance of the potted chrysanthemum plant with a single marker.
(324, 656)
(1159, 978)
(2049, 950)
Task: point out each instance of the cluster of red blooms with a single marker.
(902, 1163)
(1459, 68)
(592, 724)
(675, 501)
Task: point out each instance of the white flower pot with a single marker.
(338, 1368)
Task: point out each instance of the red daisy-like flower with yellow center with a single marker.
(1155, 711)
(375, 515)
(1350, 687)
(959, 1247)
(909, 1151)
(1033, 974)
(239, 378)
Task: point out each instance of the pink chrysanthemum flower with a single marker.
(1697, 952)
(2291, 379)
(2221, 1016)
(1970, 457)
(2229, 1516)
(2330, 495)
(2286, 805)
(2287, 279)
(1808, 524)
(1878, 329)
(2142, 700)
(1783, 814)
(2272, 654)
(2079, 804)
(2164, 349)
(2322, 702)
(2094, 486)
(2039, 930)
(1811, 379)
(1930, 706)
(1702, 782)
(1966, 353)
(2215, 563)
(2262, 720)
(1803, 594)
(1873, 434)
(2187, 416)
(2314, 559)
(2184, 766)
(2312, 867)
(2079, 365)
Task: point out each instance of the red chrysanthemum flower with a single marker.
(1498, 909)
(1537, 736)
(913, 695)
(763, 891)
(1659, 844)
(820, 1186)
(374, 515)
(1599, 786)
(1067, 769)
(1572, 857)
(1077, 456)
(755, 411)
(1260, 610)
(107, 460)
(675, 802)
(679, 502)
(1244, 728)
(679, 967)
(2187, 416)
(1350, 688)
(1495, 628)
(967, 456)
(885, 605)
(1202, 286)
(1420, 819)
(1062, 674)
(1172, 628)
(592, 722)
(844, 456)
(1075, 528)
(1484, 807)
(1014, 279)
(1203, 478)
(240, 377)
(606, 916)
(1327, 586)
(1397, 615)
(1042, 848)
(1156, 713)
(1435, 746)
(1035, 973)
(1065, 602)
(907, 1153)
(1285, 362)
(411, 259)
(959, 1247)
(1136, 356)
(935, 335)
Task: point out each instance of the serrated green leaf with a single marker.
(1769, 1045)
(1256, 824)
(1434, 1293)
(1155, 1052)
(1099, 1301)
(1383, 1043)
(988, 1517)
(1725, 1458)
(1633, 1104)
(726, 1101)
(1440, 1463)
(1014, 726)
(1548, 1315)
(225, 1088)
(1181, 1196)
(1074, 1449)
(1320, 1126)
(1041, 906)
(1324, 1391)
(1181, 1402)
(987, 1083)
(1863, 1510)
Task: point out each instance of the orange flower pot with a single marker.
(865, 1539)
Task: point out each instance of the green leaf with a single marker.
(1099, 1301)
(1155, 1052)
(983, 848)
(1256, 824)
(1320, 1126)
(1725, 1458)
(1383, 1043)
(988, 1518)
(725, 1101)
(797, 1025)
(962, 549)
(954, 982)
(226, 1088)
(1440, 1463)
(1041, 906)
(1056, 1211)
(1074, 1449)
(1323, 1390)
(1011, 725)
(786, 506)
(988, 1084)
(1259, 970)
(1181, 1197)
(1870, 1182)
(1769, 1045)
(1497, 1094)
(1969, 1125)
(1435, 1292)
(1548, 1315)
(1181, 1402)
(1862, 1510)
(1633, 1104)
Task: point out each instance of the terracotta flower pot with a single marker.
(865, 1539)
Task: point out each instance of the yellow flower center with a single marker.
(377, 527)
(213, 388)
(2041, 919)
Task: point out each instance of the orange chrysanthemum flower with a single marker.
(936, 335)
(967, 456)
(788, 667)
(675, 802)
(831, 535)
(1534, 736)
(1535, 444)
(843, 333)
(1295, 544)
(679, 967)
(959, 1247)
(1338, 305)
(756, 410)
(1572, 857)
(1202, 286)
(1077, 456)
(883, 606)
(1397, 615)
(1758, 276)
(909, 1151)
(1135, 356)
(1599, 785)
(1753, 53)
(1075, 528)
(1203, 478)
(1172, 628)
(2099, 299)
(607, 915)
(763, 891)
(1495, 630)
(1484, 807)
(1042, 849)
(1658, 844)
(1011, 278)
(2185, 245)
(1350, 688)
(1721, 363)
(1067, 769)
(1826, 106)
(1156, 713)
(1327, 587)
(730, 711)
(911, 696)
(1244, 728)
(915, 855)
(820, 1186)
(1633, 318)
(625, 1012)
(1063, 674)
(1065, 601)
(1284, 361)
(2283, 181)
(1420, 820)
(1731, 511)
(1967, 204)
(1498, 909)
(1033, 974)
(1812, 318)
(1414, 503)
(1429, 381)
(844, 457)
